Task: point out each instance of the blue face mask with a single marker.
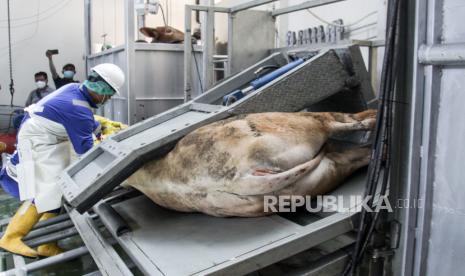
(68, 74)
(100, 88)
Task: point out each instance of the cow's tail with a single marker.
(263, 184)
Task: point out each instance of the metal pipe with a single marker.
(140, 19)
(51, 221)
(66, 256)
(206, 8)
(251, 4)
(187, 52)
(208, 47)
(303, 6)
(49, 229)
(112, 220)
(160, 99)
(4, 222)
(19, 264)
(87, 28)
(130, 52)
(53, 237)
(61, 258)
(442, 54)
(140, 24)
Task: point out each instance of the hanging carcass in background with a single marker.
(164, 34)
(226, 168)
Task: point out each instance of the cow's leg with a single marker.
(341, 122)
(331, 171)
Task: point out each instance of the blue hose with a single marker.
(275, 74)
(254, 85)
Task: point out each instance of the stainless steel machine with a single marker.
(163, 242)
(125, 233)
(151, 236)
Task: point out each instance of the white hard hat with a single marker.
(112, 74)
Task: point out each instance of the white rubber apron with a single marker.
(44, 152)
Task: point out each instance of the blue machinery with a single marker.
(256, 84)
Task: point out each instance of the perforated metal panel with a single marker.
(310, 83)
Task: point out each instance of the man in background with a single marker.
(42, 90)
(69, 70)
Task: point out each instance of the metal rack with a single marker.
(258, 42)
(149, 89)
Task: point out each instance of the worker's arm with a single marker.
(53, 70)
(80, 126)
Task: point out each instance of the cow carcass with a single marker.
(163, 34)
(226, 168)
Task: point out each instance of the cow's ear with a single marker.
(150, 32)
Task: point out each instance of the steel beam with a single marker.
(442, 54)
(56, 223)
(41, 264)
(208, 49)
(52, 237)
(303, 6)
(103, 253)
(51, 221)
(187, 52)
(87, 30)
(20, 266)
(206, 8)
(130, 60)
(251, 4)
(49, 229)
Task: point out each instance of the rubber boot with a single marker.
(48, 249)
(20, 225)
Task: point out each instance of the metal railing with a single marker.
(208, 38)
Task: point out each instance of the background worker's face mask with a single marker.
(68, 74)
(41, 84)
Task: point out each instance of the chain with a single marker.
(12, 88)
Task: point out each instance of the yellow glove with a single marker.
(108, 127)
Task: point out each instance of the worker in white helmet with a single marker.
(63, 117)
